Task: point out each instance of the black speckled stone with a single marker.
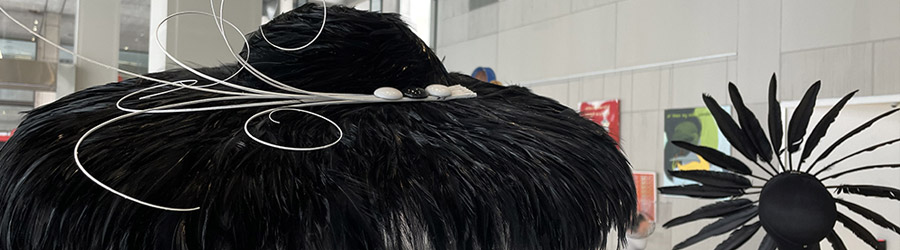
(415, 93)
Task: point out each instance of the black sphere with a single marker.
(797, 210)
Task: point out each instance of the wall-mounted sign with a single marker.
(645, 188)
(695, 126)
(605, 113)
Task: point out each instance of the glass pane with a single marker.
(52, 19)
(418, 14)
(11, 116)
(134, 43)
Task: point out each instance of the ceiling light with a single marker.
(126, 47)
(35, 22)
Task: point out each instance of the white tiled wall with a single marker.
(561, 46)
(846, 44)
(649, 31)
(809, 24)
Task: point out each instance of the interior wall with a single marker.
(97, 39)
(195, 39)
(846, 44)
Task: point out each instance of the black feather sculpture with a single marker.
(714, 210)
(795, 209)
(507, 169)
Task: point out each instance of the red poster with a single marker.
(645, 187)
(605, 113)
(4, 136)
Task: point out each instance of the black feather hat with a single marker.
(794, 207)
(506, 170)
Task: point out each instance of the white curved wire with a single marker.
(292, 101)
(272, 82)
(127, 115)
(294, 108)
(205, 76)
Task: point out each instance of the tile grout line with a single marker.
(841, 45)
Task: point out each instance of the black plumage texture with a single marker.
(730, 129)
(721, 226)
(776, 132)
(852, 133)
(714, 210)
(836, 241)
(767, 243)
(506, 170)
(822, 127)
(870, 190)
(867, 149)
(854, 170)
(700, 191)
(750, 125)
(739, 237)
(715, 179)
(861, 232)
(800, 118)
(869, 215)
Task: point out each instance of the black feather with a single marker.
(776, 132)
(767, 243)
(870, 215)
(836, 242)
(739, 237)
(750, 125)
(861, 169)
(715, 157)
(717, 209)
(822, 127)
(699, 191)
(506, 170)
(714, 178)
(721, 226)
(858, 230)
(869, 190)
(853, 132)
(730, 129)
(800, 118)
(868, 149)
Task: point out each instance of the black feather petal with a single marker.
(714, 178)
(853, 132)
(699, 191)
(715, 157)
(776, 132)
(869, 190)
(868, 149)
(721, 226)
(870, 215)
(750, 125)
(858, 230)
(836, 241)
(717, 209)
(801, 116)
(767, 243)
(739, 237)
(822, 127)
(861, 169)
(730, 129)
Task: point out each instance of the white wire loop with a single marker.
(292, 99)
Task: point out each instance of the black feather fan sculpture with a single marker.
(794, 207)
(504, 170)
